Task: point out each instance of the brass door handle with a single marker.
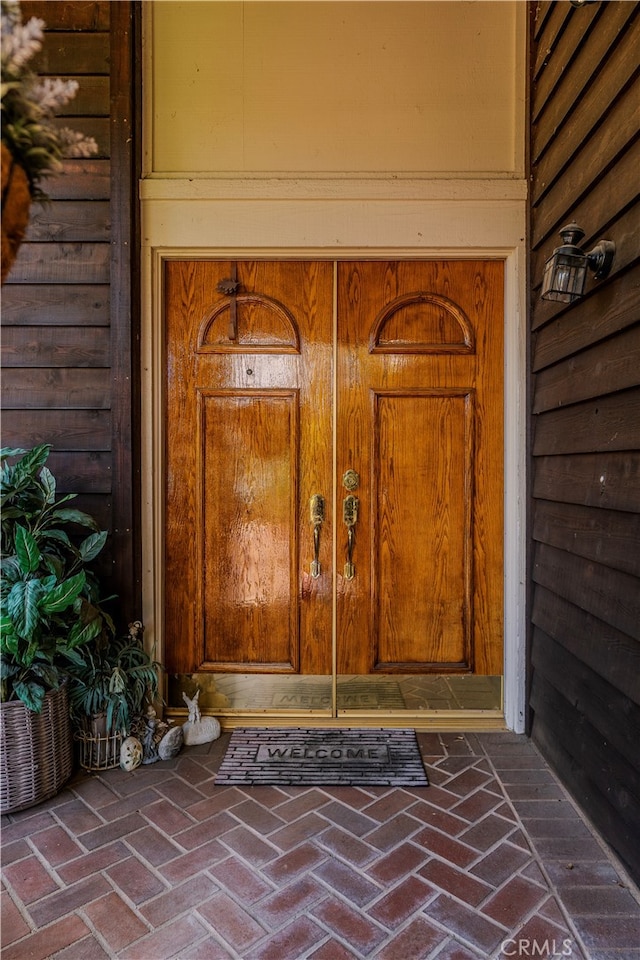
(350, 506)
(316, 506)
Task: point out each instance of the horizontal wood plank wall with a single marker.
(585, 612)
(66, 305)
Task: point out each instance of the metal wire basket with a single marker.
(98, 750)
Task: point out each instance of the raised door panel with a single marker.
(421, 513)
(247, 542)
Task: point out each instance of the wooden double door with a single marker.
(334, 463)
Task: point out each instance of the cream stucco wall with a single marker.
(381, 87)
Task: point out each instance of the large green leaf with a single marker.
(54, 565)
(10, 570)
(48, 482)
(92, 545)
(83, 633)
(31, 694)
(28, 467)
(22, 607)
(46, 672)
(57, 536)
(9, 639)
(27, 551)
(71, 515)
(63, 595)
(11, 452)
(8, 669)
(33, 461)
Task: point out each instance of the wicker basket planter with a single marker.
(36, 751)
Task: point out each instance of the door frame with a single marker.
(167, 223)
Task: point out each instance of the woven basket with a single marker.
(36, 751)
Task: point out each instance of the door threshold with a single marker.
(435, 721)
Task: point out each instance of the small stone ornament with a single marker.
(149, 746)
(171, 743)
(130, 754)
(196, 730)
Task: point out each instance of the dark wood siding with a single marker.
(585, 611)
(68, 324)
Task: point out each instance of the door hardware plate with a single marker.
(351, 480)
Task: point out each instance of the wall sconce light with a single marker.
(565, 272)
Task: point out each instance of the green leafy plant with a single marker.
(50, 601)
(117, 678)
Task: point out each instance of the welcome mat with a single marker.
(291, 756)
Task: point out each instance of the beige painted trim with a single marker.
(428, 227)
(292, 187)
(341, 229)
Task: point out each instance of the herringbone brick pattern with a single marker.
(491, 861)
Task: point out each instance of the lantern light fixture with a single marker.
(565, 272)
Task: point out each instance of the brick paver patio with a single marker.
(491, 861)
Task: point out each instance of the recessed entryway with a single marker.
(334, 496)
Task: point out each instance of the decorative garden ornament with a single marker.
(130, 754)
(171, 743)
(196, 730)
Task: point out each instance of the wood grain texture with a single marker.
(250, 441)
(615, 73)
(588, 693)
(608, 536)
(608, 423)
(406, 426)
(608, 480)
(67, 308)
(36, 388)
(65, 429)
(82, 179)
(604, 368)
(596, 155)
(585, 651)
(58, 262)
(76, 15)
(609, 310)
(610, 653)
(422, 513)
(56, 346)
(74, 304)
(606, 785)
(247, 539)
(572, 60)
(607, 594)
(73, 53)
(70, 220)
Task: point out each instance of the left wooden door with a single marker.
(249, 444)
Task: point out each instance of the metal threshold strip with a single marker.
(432, 720)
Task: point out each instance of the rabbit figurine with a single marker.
(196, 730)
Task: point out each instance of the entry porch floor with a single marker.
(492, 860)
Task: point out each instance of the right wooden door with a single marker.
(419, 413)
